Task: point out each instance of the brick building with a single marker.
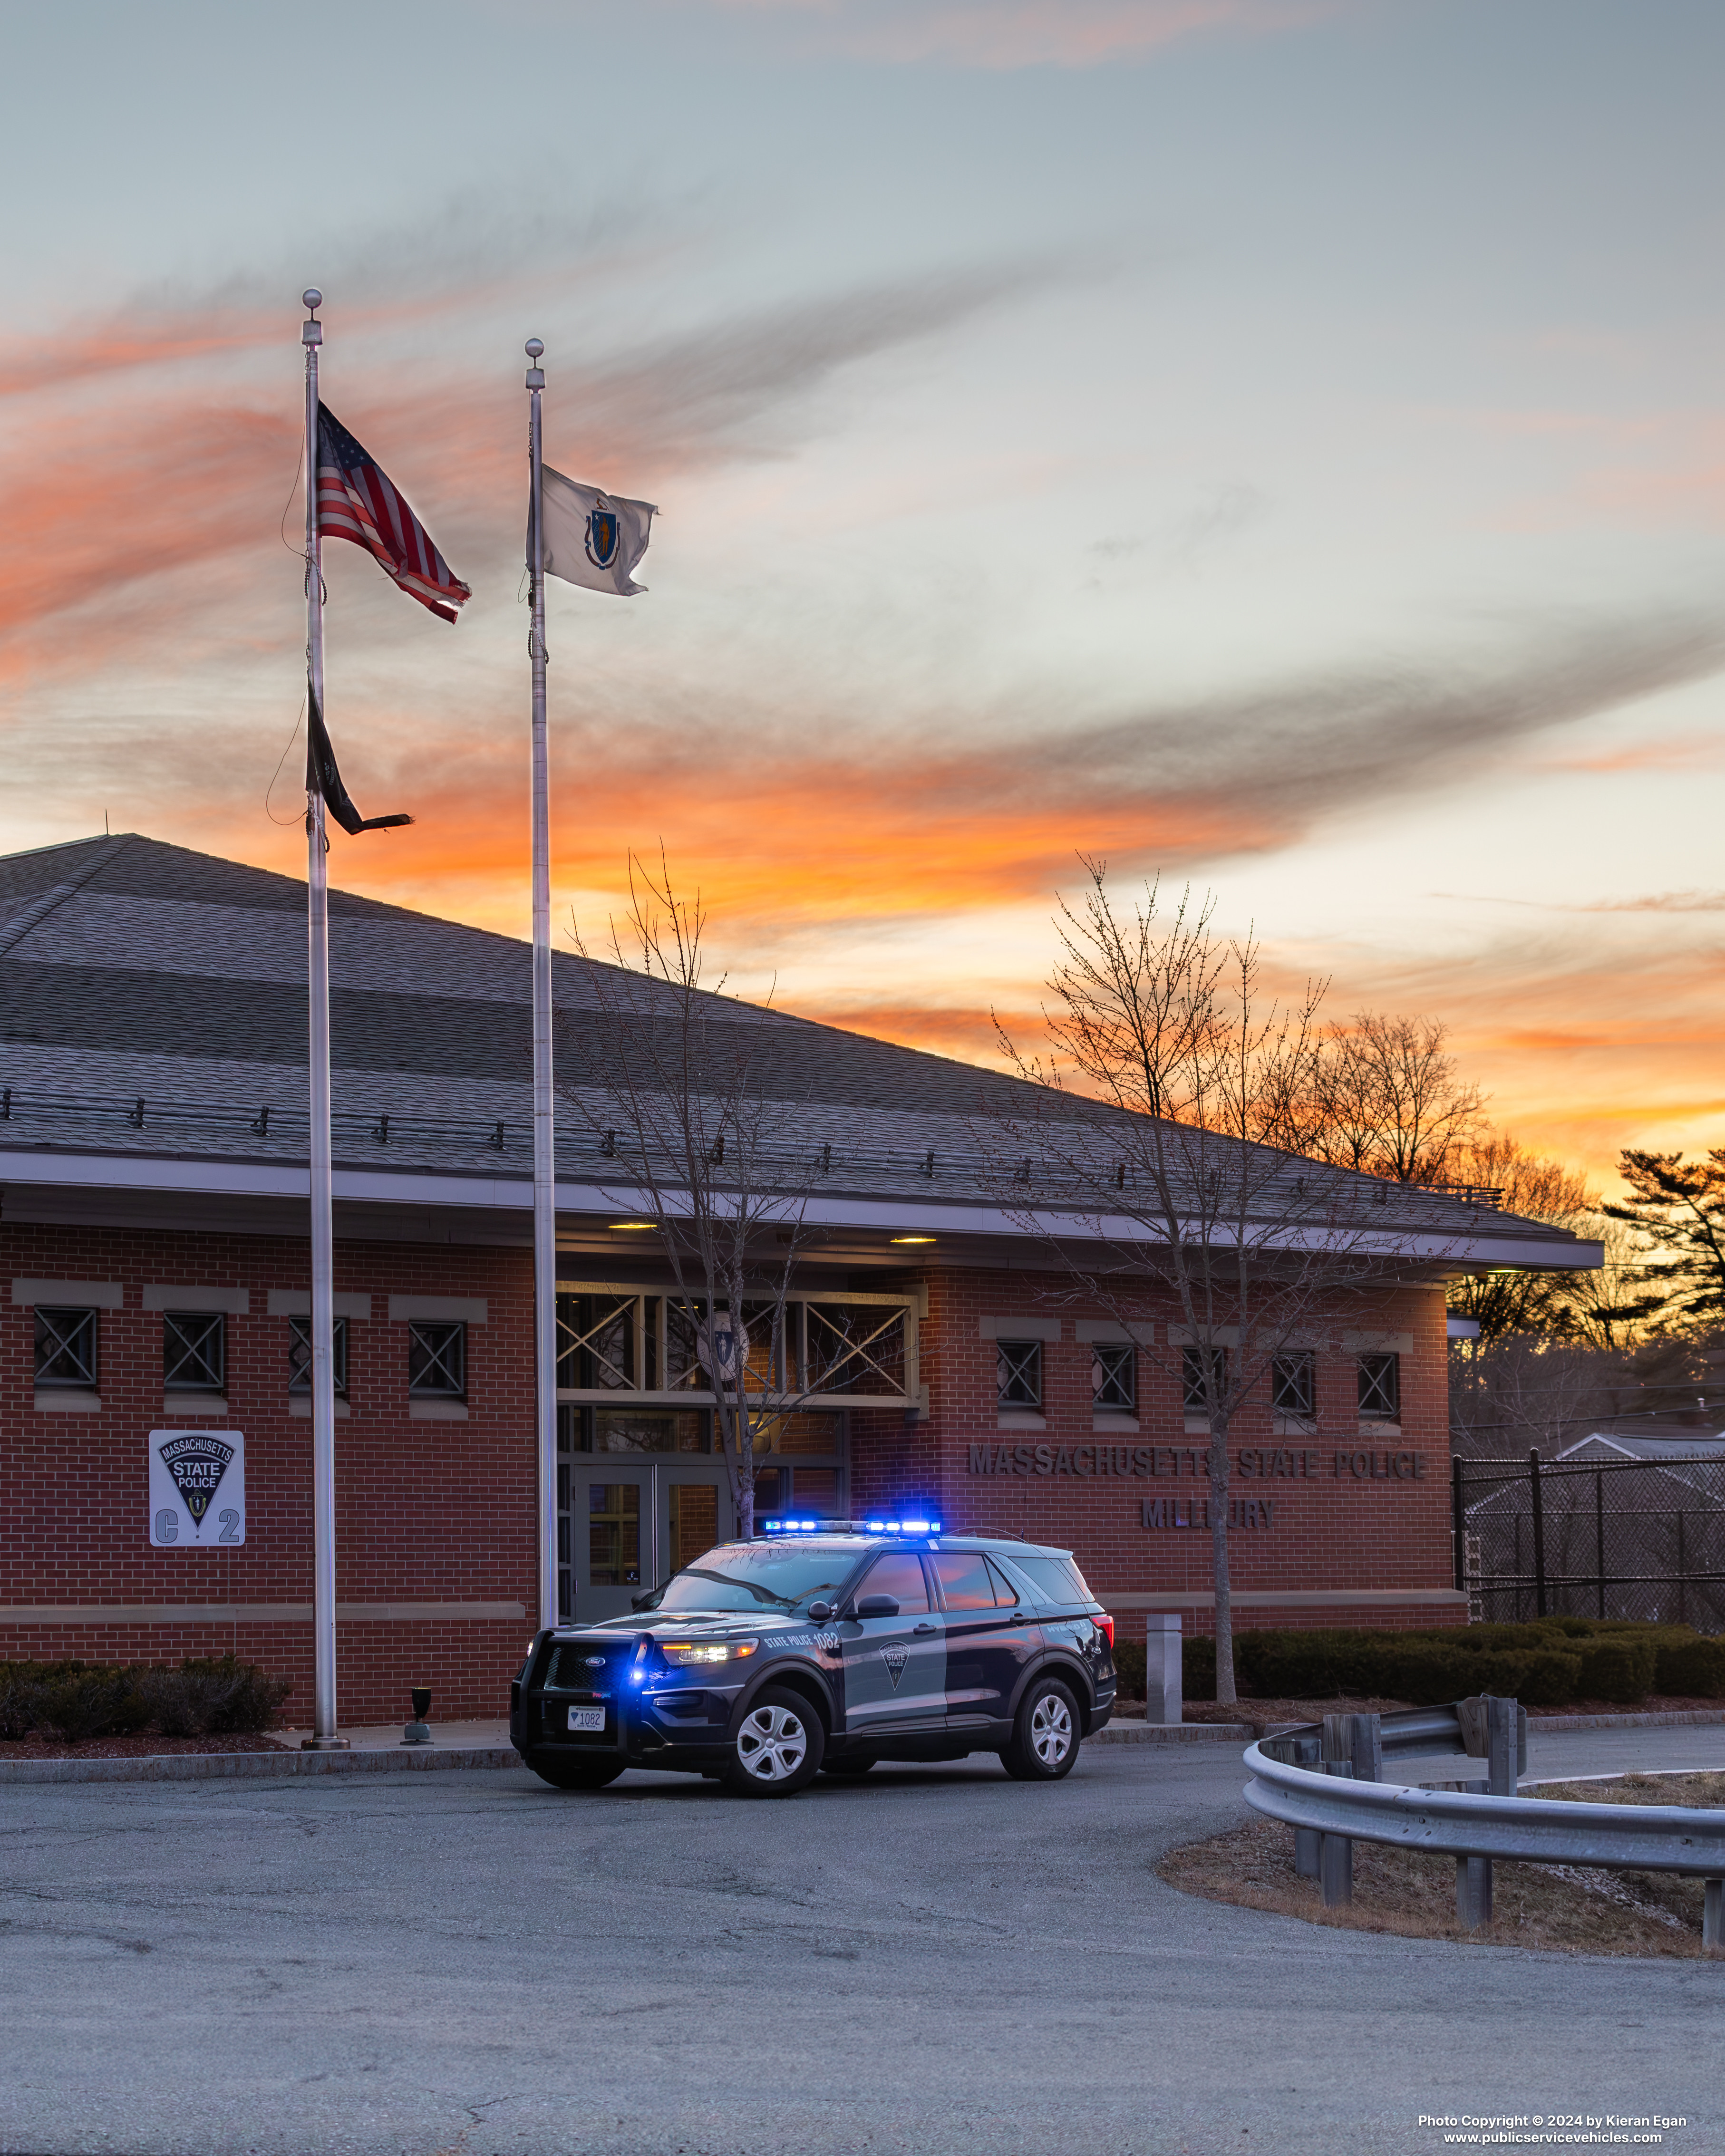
(153, 1211)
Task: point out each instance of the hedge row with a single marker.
(72, 1701)
(1550, 1663)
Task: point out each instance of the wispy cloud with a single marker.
(176, 475)
(1023, 34)
(1670, 901)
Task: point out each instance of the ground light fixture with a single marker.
(416, 1732)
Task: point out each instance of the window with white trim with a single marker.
(1113, 1377)
(437, 1360)
(1018, 1373)
(65, 1348)
(1192, 1377)
(1293, 1385)
(194, 1351)
(1380, 1387)
(300, 1355)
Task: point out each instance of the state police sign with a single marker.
(196, 1489)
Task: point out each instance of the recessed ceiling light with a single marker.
(634, 1227)
(913, 1239)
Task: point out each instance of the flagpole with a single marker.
(545, 1221)
(323, 1274)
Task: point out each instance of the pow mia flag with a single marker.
(196, 1488)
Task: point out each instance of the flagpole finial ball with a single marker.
(312, 297)
(535, 349)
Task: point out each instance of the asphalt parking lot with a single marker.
(936, 1959)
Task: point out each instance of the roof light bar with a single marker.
(786, 1526)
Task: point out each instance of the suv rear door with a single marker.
(990, 1637)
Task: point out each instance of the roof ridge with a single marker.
(13, 931)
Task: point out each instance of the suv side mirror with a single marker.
(877, 1606)
(820, 1613)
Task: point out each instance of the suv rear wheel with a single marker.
(777, 1750)
(1044, 1742)
(575, 1773)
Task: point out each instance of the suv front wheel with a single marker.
(1044, 1740)
(778, 1747)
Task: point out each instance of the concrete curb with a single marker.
(256, 1766)
(1173, 1732)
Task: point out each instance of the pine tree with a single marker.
(1678, 1209)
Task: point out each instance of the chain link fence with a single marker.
(1642, 1539)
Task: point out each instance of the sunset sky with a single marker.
(1274, 443)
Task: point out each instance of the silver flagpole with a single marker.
(323, 1264)
(545, 1219)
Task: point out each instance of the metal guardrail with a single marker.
(1310, 1780)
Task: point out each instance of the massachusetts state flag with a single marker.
(357, 500)
(591, 538)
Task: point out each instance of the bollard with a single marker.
(1164, 1688)
(1712, 1916)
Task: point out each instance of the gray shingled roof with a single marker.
(152, 1001)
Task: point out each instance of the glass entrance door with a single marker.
(628, 1524)
(610, 1518)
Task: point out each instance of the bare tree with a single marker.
(1170, 1068)
(1388, 1098)
(688, 1132)
(1509, 1300)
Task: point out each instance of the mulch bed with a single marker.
(1546, 1907)
(143, 1746)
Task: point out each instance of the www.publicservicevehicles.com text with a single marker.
(1535, 2130)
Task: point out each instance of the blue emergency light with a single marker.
(791, 1527)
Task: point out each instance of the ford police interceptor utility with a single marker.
(821, 1647)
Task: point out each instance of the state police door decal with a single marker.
(196, 1489)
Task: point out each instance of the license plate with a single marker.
(587, 1717)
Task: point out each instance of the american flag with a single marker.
(357, 500)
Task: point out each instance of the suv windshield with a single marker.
(759, 1576)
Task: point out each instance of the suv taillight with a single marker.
(1105, 1624)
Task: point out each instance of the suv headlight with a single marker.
(689, 1654)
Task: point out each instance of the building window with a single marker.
(437, 1361)
(1380, 1387)
(66, 1348)
(300, 1355)
(1293, 1386)
(1113, 1377)
(194, 1351)
(1192, 1377)
(1018, 1373)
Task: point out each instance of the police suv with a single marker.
(821, 1647)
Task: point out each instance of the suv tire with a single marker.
(1045, 1739)
(778, 1747)
(576, 1774)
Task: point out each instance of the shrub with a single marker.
(1198, 1667)
(1621, 1669)
(211, 1696)
(74, 1700)
(77, 1704)
(1689, 1668)
(1131, 1667)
